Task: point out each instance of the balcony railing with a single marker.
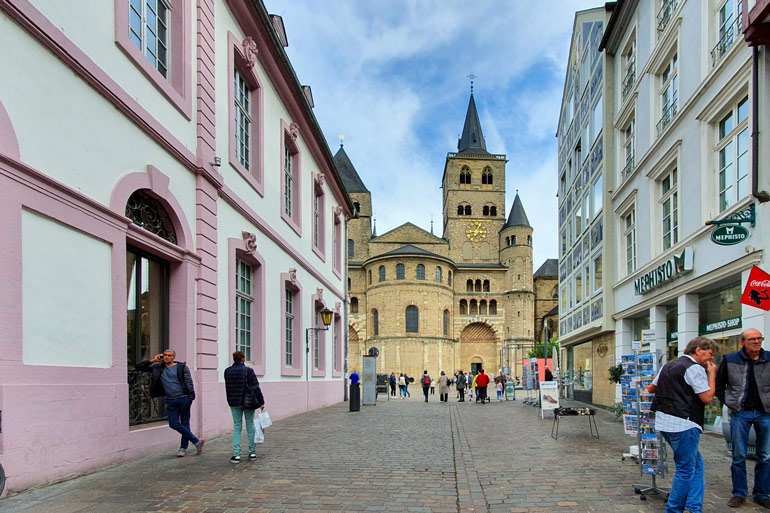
(630, 77)
(665, 13)
(669, 111)
(729, 36)
(629, 167)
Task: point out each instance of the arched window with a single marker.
(474, 308)
(375, 322)
(412, 319)
(555, 293)
(465, 175)
(400, 272)
(348, 283)
(492, 307)
(467, 210)
(486, 176)
(356, 208)
(353, 305)
(420, 272)
(493, 210)
(460, 210)
(469, 286)
(483, 307)
(486, 285)
(438, 274)
(529, 240)
(478, 286)
(449, 278)
(446, 322)
(485, 210)
(382, 273)
(370, 276)
(513, 240)
(507, 241)
(463, 307)
(351, 248)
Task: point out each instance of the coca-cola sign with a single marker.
(757, 291)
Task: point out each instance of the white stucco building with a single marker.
(163, 184)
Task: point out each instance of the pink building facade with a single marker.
(163, 184)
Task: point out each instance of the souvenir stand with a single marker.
(638, 419)
(531, 381)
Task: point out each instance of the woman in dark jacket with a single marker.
(244, 397)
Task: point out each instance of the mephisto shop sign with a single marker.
(665, 272)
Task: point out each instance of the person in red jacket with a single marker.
(482, 380)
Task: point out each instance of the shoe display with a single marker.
(235, 459)
(547, 398)
(199, 446)
(252, 456)
(182, 452)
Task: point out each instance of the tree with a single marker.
(537, 352)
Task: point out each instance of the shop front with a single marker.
(579, 373)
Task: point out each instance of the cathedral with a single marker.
(462, 301)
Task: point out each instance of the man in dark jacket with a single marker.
(244, 396)
(743, 384)
(392, 383)
(172, 380)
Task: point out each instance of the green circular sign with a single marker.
(727, 235)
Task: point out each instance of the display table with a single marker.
(574, 412)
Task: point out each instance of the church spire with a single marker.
(472, 140)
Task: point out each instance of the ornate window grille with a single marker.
(147, 212)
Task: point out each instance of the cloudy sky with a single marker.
(392, 77)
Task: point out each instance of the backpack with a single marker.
(426, 381)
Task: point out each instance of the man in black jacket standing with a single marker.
(172, 380)
(244, 396)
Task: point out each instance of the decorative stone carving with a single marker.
(293, 276)
(337, 308)
(250, 240)
(319, 179)
(320, 294)
(338, 210)
(250, 52)
(294, 132)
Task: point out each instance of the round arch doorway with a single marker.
(478, 347)
(476, 365)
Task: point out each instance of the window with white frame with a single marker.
(629, 148)
(629, 238)
(587, 283)
(578, 220)
(317, 323)
(563, 242)
(337, 245)
(319, 218)
(578, 288)
(669, 92)
(596, 196)
(564, 299)
(337, 349)
(148, 23)
(596, 122)
(570, 287)
(316, 219)
(669, 208)
(733, 155)
(570, 239)
(244, 301)
(597, 272)
(289, 323)
(288, 183)
(586, 208)
(628, 63)
(729, 27)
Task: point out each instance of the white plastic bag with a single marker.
(264, 419)
(259, 435)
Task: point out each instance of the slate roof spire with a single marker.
(348, 173)
(517, 217)
(472, 140)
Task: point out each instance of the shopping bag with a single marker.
(259, 435)
(264, 419)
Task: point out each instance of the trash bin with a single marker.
(510, 390)
(355, 397)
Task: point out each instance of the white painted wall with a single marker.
(66, 296)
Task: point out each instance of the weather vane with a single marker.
(342, 140)
(472, 77)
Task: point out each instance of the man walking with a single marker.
(244, 396)
(682, 389)
(172, 380)
(482, 381)
(743, 384)
(392, 383)
(425, 382)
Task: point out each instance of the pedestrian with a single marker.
(401, 386)
(443, 387)
(425, 381)
(172, 380)
(476, 388)
(406, 386)
(482, 381)
(499, 388)
(392, 383)
(682, 388)
(433, 388)
(355, 379)
(548, 375)
(243, 396)
(743, 384)
(460, 385)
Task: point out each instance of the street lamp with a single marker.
(326, 318)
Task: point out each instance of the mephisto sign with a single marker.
(665, 272)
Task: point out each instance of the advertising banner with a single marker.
(756, 292)
(549, 395)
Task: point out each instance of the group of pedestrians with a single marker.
(682, 389)
(472, 383)
(402, 381)
(172, 380)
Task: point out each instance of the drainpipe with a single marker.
(345, 275)
(762, 196)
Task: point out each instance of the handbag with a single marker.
(264, 419)
(250, 401)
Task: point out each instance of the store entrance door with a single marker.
(476, 368)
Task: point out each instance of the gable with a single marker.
(408, 233)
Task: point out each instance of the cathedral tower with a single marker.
(516, 255)
(473, 195)
(360, 227)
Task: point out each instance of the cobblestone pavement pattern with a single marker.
(398, 456)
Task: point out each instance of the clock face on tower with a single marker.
(476, 231)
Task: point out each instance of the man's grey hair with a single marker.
(743, 333)
(169, 351)
(704, 343)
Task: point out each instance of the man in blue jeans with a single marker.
(682, 389)
(743, 384)
(172, 380)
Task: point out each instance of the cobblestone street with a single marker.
(399, 456)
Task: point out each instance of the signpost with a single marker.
(727, 235)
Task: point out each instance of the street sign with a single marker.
(727, 235)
